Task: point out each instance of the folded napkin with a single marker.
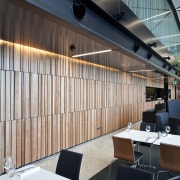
(150, 139)
(26, 170)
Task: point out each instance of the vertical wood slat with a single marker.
(17, 95)
(27, 141)
(2, 96)
(34, 139)
(2, 144)
(49, 102)
(26, 96)
(7, 95)
(18, 143)
(34, 95)
(14, 141)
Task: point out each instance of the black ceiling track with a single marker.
(111, 19)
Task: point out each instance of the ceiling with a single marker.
(101, 25)
(154, 22)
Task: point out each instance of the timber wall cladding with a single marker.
(48, 101)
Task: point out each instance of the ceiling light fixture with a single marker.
(136, 46)
(172, 45)
(169, 68)
(167, 58)
(149, 55)
(178, 8)
(91, 53)
(164, 65)
(142, 70)
(157, 15)
(174, 35)
(153, 44)
(119, 16)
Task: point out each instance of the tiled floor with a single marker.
(97, 154)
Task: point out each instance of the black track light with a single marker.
(153, 44)
(136, 46)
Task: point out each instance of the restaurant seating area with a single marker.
(164, 114)
(84, 83)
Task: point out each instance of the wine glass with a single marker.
(8, 163)
(9, 166)
(148, 129)
(129, 125)
(167, 129)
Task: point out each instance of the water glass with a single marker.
(148, 128)
(129, 125)
(11, 171)
(167, 129)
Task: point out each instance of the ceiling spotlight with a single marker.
(136, 46)
(169, 68)
(167, 58)
(79, 10)
(149, 55)
(153, 44)
(72, 47)
(175, 65)
(164, 65)
(119, 16)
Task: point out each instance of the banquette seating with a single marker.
(173, 108)
(164, 114)
(157, 116)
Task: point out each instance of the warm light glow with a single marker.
(91, 53)
(157, 15)
(36, 50)
(140, 76)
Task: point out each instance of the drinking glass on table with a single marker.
(129, 126)
(167, 129)
(9, 166)
(148, 129)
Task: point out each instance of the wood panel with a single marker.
(2, 145)
(50, 102)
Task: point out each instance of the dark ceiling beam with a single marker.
(104, 26)
(174, 13)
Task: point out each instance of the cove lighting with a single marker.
(91, 53)
(45, 52)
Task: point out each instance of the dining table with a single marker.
(150, 137)
(32, 172)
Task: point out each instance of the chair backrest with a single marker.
(170, 157)
(173, 108)
(130, 173)
(144, 124)
(162, 120)
(123, 148)
(69, 164)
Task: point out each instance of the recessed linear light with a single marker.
(143, 70)
(174, 35)
(173, 45)
(157, 15)
(91, 53)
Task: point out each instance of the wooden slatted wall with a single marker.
(48, 101)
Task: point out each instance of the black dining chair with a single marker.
(69, 164)
(131, 173)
